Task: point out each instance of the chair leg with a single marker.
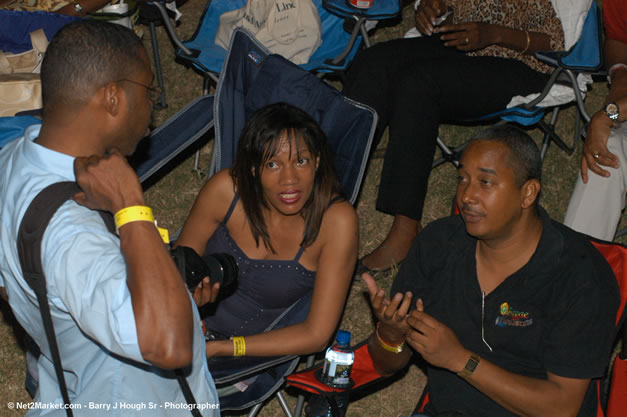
(284, 405)
(448, 154)
(161, 104)
(255, 410)
(301, 397)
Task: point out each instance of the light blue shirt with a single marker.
(89, 300)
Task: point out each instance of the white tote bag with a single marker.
(290, 28)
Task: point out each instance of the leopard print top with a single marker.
(532, 15)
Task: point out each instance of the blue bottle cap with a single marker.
(343, 337)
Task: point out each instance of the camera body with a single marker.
(219, 267)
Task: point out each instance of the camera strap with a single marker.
(30, 234)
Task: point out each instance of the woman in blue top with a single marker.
(280, 212)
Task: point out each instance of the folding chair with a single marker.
(380, 10)
(337, 50)
(615, 404)
(167, 143)
(566, 85)
(363, 375)
(250, 79)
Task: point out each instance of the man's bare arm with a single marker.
(161, 304)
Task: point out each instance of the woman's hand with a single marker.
(427, 15)
(467, 36)
(216, 348)
(205, 292)
(595, 152)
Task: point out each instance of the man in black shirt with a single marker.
(514, 312)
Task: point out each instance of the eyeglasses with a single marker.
(154, 93)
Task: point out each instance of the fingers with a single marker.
(584, 170)
(370, 284)
(595, 161)
(206, 292)
(426, 17)
(398, 306)
(108, 182)
(422, 321)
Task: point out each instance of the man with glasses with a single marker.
(123, 317)
(513, 312)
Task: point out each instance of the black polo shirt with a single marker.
(556, 313)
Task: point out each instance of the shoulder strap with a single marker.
(30, 235)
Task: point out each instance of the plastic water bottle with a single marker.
(336, 372)
(338, 362)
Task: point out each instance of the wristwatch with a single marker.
(78, 8)
(470, 367)
(613, 112)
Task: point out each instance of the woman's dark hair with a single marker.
(259, 142)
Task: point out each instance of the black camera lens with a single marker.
(219, 267)
(222, 268)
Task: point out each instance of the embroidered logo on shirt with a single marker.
(513, 318)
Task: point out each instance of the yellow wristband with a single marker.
(139, 214)
(386, 346)
(239, 346)
(133, 214)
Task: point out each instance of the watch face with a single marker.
(612, 111)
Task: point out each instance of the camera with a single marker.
(219, 267)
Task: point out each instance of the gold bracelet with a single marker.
(387, 346)
(133, 214)
(239, 345)
(528, 43)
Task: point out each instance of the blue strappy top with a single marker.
(264, 287)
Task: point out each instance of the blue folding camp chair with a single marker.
(336, 52)
(583, 57)
(250, 79)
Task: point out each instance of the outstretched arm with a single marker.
(595, 152)
(338, 253)
(477, 35)
(522, 395)
(161, 305)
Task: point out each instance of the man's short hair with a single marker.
(84, 56)
(524, 155)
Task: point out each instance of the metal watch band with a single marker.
(613, 113)
(470, 367)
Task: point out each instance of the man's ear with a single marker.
(112, 93)
(530, 192)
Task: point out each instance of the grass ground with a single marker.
(173, 195)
